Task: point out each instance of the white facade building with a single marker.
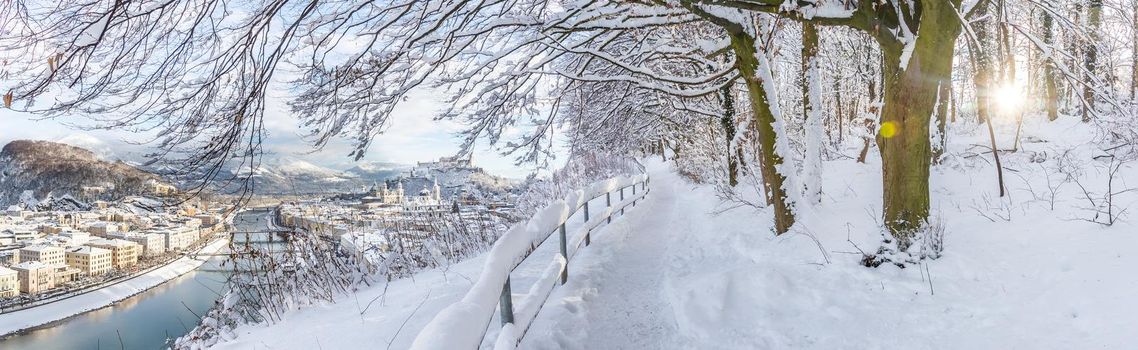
(49, 255)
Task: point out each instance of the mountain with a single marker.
(376, 171)
(60, 171)
(286, 175)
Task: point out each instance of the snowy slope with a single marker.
(685, 278)
(678, 274)
(288, 175)
(391, 315)
(58, 169)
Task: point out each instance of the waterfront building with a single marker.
(124, 253)
(151, 244)
(178, 238)
(64, 274)
(9, 283)
(208, 219)
(35, 277)
(92, 261)
(49, 255)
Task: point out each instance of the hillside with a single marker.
(286, 175)
(1032, 270)
(49, 168)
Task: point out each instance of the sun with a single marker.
(1007, 98)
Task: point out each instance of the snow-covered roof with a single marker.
(88, 250)
(112, 242)
(40, 248)
(31, 265)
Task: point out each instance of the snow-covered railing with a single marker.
(462, 325)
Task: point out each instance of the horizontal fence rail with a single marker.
(462, 325)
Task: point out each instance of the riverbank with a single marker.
(18, 321)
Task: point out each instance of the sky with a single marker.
(412, 136)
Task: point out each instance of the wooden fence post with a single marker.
(588, 232)
(622, 199)
(608, 203)
(564, 254)
(506, 302)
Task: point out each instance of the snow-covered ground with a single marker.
(1027, 271)
(391, 314)
(102, 297)
(1015, 274)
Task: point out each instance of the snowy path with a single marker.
(620, 278)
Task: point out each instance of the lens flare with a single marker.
(888, 129)
(1008, 98)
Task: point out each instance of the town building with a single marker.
(9, 283)
(9, 256)
(124, 253)
(92, 261)
(178, 238)
(208, 219)
(151, 244)
(49, 255)
(75, 238)
(64, 274)
(35, 277)
(103, 228)
(19, 234)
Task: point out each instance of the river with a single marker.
(146, 320)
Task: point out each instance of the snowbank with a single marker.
(1028, 271)
(40, 315)
(462, 324)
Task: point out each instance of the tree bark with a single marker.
(1052, 90)
(910, 99)
(984, 75)
(728, 122)
(944, 100)
(812, 110)
(1134, 50)
(1094, 21)
(762, 124)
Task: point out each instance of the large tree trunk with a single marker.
(1094, 21)
(984, 74)
(910, 100)
(944, 100)
(812, 110)
(1134, 50)
(763, 126)
(728, 122)
(1052, 99)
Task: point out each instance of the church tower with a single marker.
(438, 191)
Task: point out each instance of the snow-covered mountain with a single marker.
(48, 168)
(287, 175)
(376, 171)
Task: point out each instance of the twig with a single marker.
(416, 310)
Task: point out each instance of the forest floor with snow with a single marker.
(684, 270)
(1014, 274)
